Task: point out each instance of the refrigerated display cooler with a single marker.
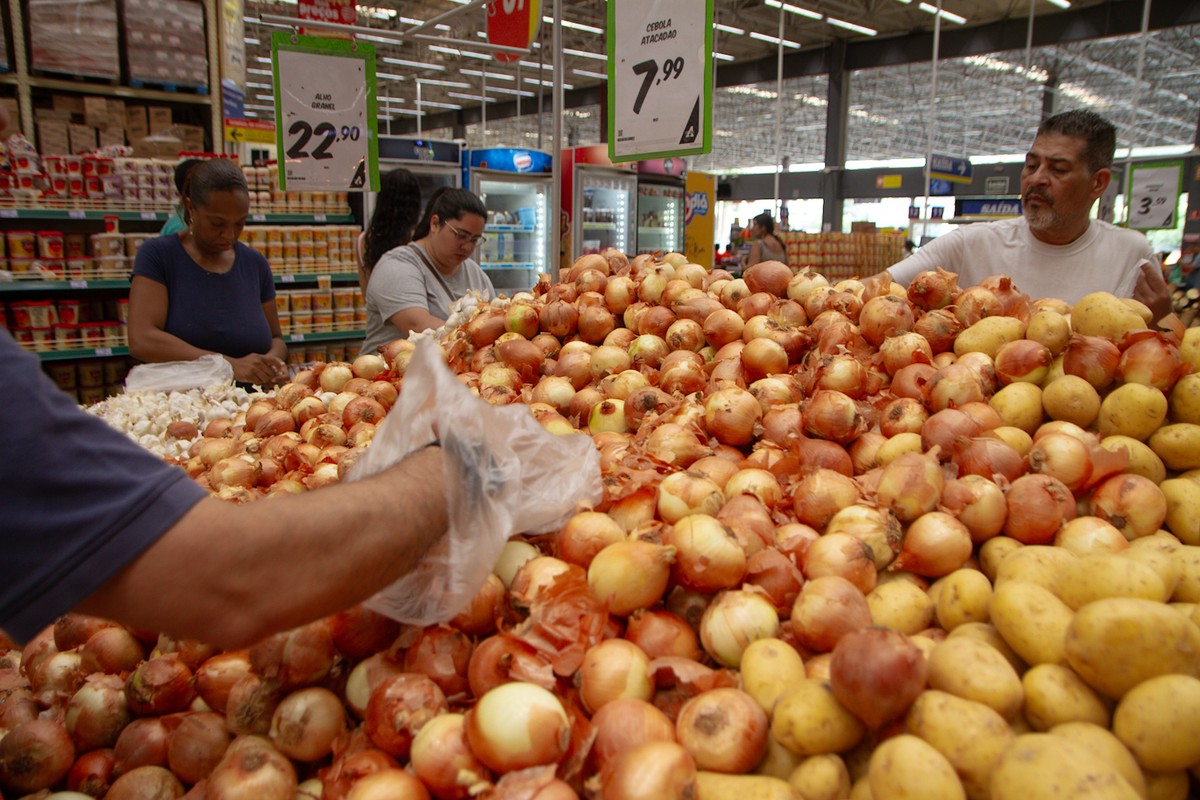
(514, 184)
(660, 205)
(599, 202)
(432, 162)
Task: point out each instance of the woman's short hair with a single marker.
(213, 175)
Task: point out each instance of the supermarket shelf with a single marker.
(61, 286)
(69, 355)
(599, 226)
(296, 338)
(301, 218)
(306, 277)
(507, 265)
(59, 85)
(78, 213)
(509, 229)
(659, 231)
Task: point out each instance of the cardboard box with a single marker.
(14, 117)
(160, 118)
(95, 112)
(137, 123)
(111, 135)
(156, 147)
(192, 137)
(51, 115)
(68, 103)
(116, 113)
(53, 137)
(82, 138)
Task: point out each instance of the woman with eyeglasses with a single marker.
(413, 286)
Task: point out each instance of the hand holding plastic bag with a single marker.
(179, 376)
(505, 475)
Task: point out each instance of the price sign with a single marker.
(659, 79)
(513, 23)
(326, 119)
(1154, 195)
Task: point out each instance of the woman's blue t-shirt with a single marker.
(221, 312)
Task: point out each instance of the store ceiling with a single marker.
(987, 104)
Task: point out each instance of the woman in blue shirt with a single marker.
(202, 291)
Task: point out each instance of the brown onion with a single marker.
(724, 730)
(876, 674)
(833, 416)
(35, 755)
(660, 633)
(978, 503)
(650, 770)
(822, 493)
(827, 609)
(1132, 503)
(1038, 505)
(843, 555)
(935, 544)
(1093, 358)
(398, 707)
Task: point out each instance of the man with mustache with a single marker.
(1055, 249)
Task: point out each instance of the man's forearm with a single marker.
(230, 574)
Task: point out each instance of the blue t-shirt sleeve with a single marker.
(152, 259)
(80, 500)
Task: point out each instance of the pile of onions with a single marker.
(788, 463)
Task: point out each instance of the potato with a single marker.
(906, 766)
(1072, 399)
(861, 790)
(994, 551)
(1169, 785)
(1041, 766)
(970, 735)
(1162, 563)
(1188, 588)
(1038, 564)
(1159, 721)
(970, 669)
(1016, 438)
(988, 335)
(718, 786)
(769, 668)
(965, 596)
(779, 762)
(1185, 399)
(902, 606)
(1142, 460)
(1116, 643)
(1132, 410)
(1019, 405)
(1189, 348)
(898, 445)
(1050, 329)
(1101, 575)
(1183, 508)
(1177, 444)
(823, 777)
(1103, 314)
(1055, 695)
(1032, 620)
(1106, 747)
(1139, 308)
(986, 632)
(809, 720)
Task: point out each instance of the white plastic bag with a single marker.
(505, 475)
(179, 376)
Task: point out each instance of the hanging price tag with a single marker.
(326, 118)
(1154, 195)
(659, 79)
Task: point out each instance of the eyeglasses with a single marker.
(465, 236)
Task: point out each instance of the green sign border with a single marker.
(611, 45)
(1133, 171)
(339, 48)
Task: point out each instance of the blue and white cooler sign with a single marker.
(325, 113)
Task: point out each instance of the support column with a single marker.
(837, 115)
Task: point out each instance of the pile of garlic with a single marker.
(145, 416)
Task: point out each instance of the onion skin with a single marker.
(35, 755)
(877, 673)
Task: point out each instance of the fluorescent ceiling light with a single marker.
(729, 29)
(506, 90)
(535, 65)
(256, 71)
(944, 14)
(440, 105)
(493, 76)
(585, 73)
(260, 86)
(253, 114)
(475, 97)
(404, 62)
(391, 76)
(437, 48)
(536, 82)
(583, 54)
(804, 12)
(259, 108)
(251, 40)
(377, 13)
(762, 37)
(451, 84)
(412, 112)
(850, 26)
(390, 99)
(579, 26)
(722, 56)
(262, 59)
(1060, 3)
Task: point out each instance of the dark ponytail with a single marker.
(396, 209)
(448, 203)
(766, 222)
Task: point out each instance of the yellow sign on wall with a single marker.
(699, 218)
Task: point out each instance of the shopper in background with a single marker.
(767, 246)
(397, 209)
(202, 291)
(175, 223)
(412, 287)
(1055, 249)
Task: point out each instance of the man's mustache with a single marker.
(1044, 195)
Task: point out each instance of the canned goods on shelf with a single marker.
(42, 313)
(50, 245)
(63, 374)
(301, 300)
(91, 395)
(68, 311)
(91, 374)
(21, 244)
(115, 370)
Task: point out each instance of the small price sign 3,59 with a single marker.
(660, 79)
(325, 112)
